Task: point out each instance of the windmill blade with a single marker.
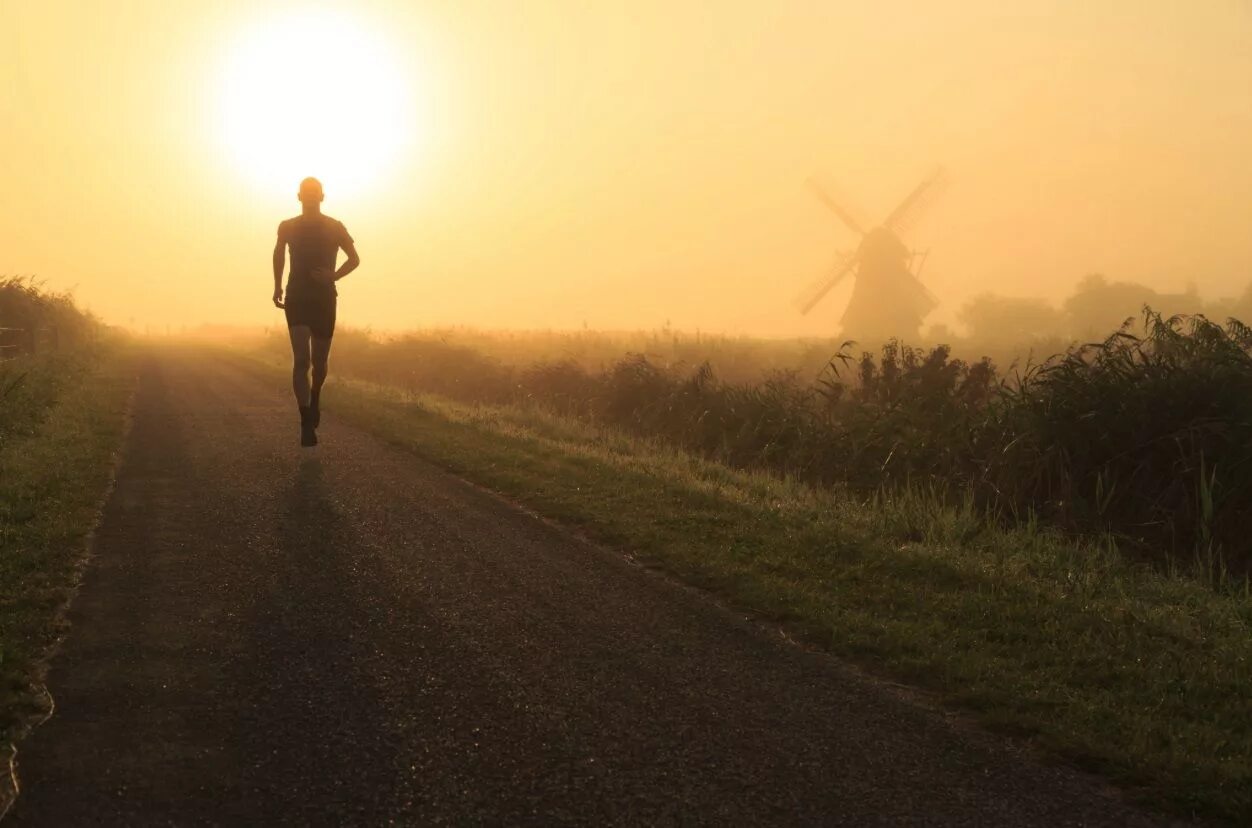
(844, 216)
(814, 292)
(913, 202)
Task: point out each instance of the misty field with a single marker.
(1142, 437)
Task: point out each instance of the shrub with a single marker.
(35, 366)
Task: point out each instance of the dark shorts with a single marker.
(318, 315)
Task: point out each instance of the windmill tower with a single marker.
(888, 298)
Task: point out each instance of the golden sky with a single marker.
(555, 163)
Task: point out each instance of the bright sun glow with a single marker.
(316, 94)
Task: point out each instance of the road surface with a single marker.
(348, 635)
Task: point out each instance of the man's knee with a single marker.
(302, 363)
(321, 355)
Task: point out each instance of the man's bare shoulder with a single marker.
(340, 231)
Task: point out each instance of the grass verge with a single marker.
(54, 471)
(1113, 666)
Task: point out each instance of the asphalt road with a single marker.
(347, 635)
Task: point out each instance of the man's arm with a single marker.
(325, 275)
(280, 263)
(351, 263)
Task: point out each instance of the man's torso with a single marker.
(313, 242)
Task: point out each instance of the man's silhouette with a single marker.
(315, 241)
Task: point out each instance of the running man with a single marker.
(315, 241)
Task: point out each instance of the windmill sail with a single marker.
(913, 202)
(844, 216)
(814, 292)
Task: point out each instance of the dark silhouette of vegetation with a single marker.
(41, 339)
(33, 318)
(39, 333)
(1148, 435)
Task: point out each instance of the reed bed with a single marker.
(1145, 435)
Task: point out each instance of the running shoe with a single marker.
(308, 437)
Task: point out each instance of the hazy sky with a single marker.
(533, 164)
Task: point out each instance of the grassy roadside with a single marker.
(54, 470)
(1120, 669)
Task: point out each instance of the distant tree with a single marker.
(1009, 319)
(1232, 308)
(1098, 306)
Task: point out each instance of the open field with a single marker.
(1142, 435)
(1104, 661)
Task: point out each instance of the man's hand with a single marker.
(278, 297)
(323, 275)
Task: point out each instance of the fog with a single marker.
(623, 166)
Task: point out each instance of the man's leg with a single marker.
(321, 358)
(301, 337)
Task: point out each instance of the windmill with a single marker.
(888, 299)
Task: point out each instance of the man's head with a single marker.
(310, 192)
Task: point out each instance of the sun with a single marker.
(317, 94)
